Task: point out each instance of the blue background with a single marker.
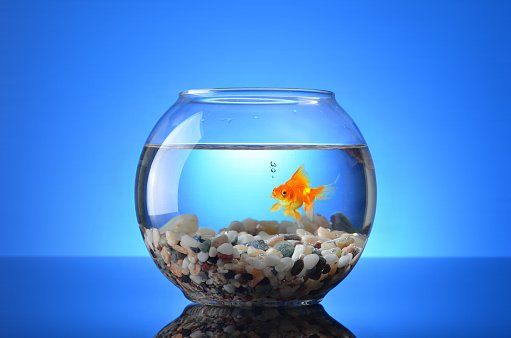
(82, 83)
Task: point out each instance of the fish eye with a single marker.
(284, 193)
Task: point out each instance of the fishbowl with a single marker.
(255, 196)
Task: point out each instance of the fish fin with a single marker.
(300, 178)
(308, 207)
(276, 207)
(324, 192)
(286, 212)
(296, 216)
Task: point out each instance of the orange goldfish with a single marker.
(297, 192)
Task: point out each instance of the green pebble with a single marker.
(205, 246)
(286, 250)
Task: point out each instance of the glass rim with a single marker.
(256, 95)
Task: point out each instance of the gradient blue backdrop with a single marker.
(82, 83)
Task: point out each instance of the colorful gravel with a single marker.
(254, 263)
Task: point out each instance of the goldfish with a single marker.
(297, 192)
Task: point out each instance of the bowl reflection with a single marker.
(209, 321)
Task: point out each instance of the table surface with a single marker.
(129, 297)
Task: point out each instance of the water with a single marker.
(224, 183)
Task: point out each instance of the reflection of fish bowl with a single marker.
(209, 321)
(255, 196)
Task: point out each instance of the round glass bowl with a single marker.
(255, 196)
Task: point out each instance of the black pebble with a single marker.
(264, 281)
(321, 263)
(297, 267)
(310, 273)
(235, 240)
(196, 250)
(212, 260)
(247, 276)
(242, 289)
(186, 332)
(186, 279)
(229, 275)
(289, 237)
(203, 275)
(327, 269)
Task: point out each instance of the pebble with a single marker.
(297, 267)
(247, 276)
(310, 261)
(196, 279)
(286, 250)
(284, 265)
(220, 240)
(256, 263)
(231, 235)
(238, 226)
(230, 288)
(186, 223)
(288, 237)
(344, 241)
(245, 238)
(299, 250)
(270, 227)
(258, 244)
(342, 223)
(274, 240)
(202, 256)
(327, 269)
(271, 260)
(205, 246)
(189, 242)
(331, 259)
(212, 251)
(206, 232)
(186, 279)
(344, 260)
(253, 252)
(226, 249)
(229, 275)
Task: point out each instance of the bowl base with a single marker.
(256, 303)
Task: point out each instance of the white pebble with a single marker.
(231, 235)
(189, 242)
(245, 238)
(226, 249)
(187, 223)
(272, 260)
(191, 266)
(212, 251)
(202, 256)
(196, 334)
(299, 250)
(344, 260)
(285, 264)
(229, 288)
(331, 259)
(256, 263)
(230, 329)
(196, 279)
(156, 238)
(310, 261)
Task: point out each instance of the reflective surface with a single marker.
(214, 321)
(127, 297)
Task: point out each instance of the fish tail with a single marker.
(324, 192)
